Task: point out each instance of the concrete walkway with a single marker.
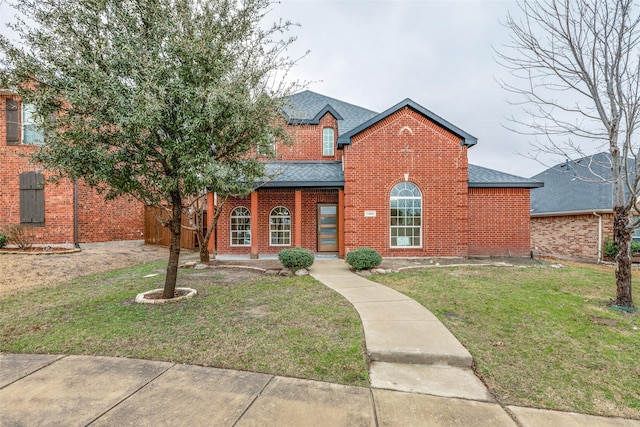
(420, 376)
(409, 348)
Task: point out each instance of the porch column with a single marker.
(254, 225)
(341, 250)
(298, 220)
(211, 211)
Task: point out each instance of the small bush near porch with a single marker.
(541, 337)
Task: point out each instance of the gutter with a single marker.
(599, 237)
(75, 215)
(566, 213)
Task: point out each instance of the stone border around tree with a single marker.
(140, 298)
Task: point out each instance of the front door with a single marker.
(327, 227)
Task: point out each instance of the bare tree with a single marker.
(577, 75)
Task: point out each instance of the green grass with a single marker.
(541, 337)
(291, 326)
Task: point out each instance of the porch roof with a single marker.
(298, 174)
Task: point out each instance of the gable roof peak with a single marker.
(465, 138)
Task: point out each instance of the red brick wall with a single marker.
(569, 236)
(98, 220)
(267, 200)
(308, 141)
(456, 221)
(499, 221)
(113, 220)
(379, 158)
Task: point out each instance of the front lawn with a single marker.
(541, 337)
(291, 326)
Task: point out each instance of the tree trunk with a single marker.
(204, 239)
(622, 239)
(175, 227)
(204, 252)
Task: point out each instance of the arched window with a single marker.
(327, 142)
(280, 226)
(406, 216)
(240, 227)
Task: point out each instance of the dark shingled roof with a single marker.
(303, 174)
(300, 174)
(308, 107)
(580, 185)
(480, 177)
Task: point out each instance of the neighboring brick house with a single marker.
(55, 214)
(397, 181)
(572, 215)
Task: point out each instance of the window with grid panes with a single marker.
(406, 216)
(280, 226)
(240, 227)
(327, 142)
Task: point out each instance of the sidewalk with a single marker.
(420, 376)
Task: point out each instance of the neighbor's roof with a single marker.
(480, 177)
(580, 185)
(301, 174)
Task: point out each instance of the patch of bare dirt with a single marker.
(25, 271)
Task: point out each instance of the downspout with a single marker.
(599, 237)
(75, 215)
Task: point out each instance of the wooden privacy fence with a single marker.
(156, 234)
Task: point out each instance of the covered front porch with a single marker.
(301, 205)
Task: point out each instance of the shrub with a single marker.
(296, 258)
(363, 258)
(18, 235)
(3, 239)
(610, 249)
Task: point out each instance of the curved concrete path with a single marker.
(409, 348)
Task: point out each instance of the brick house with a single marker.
(54, 214)
(572, 215)
(396, 181)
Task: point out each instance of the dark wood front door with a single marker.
(327, 227)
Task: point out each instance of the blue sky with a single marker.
(439, 53)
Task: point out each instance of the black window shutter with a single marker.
(12, 115)
(31, 198)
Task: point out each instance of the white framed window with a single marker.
(635, 237)
(30, 133)
(240, 226)
(406, 216)
(327, 142)
(280, 227)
